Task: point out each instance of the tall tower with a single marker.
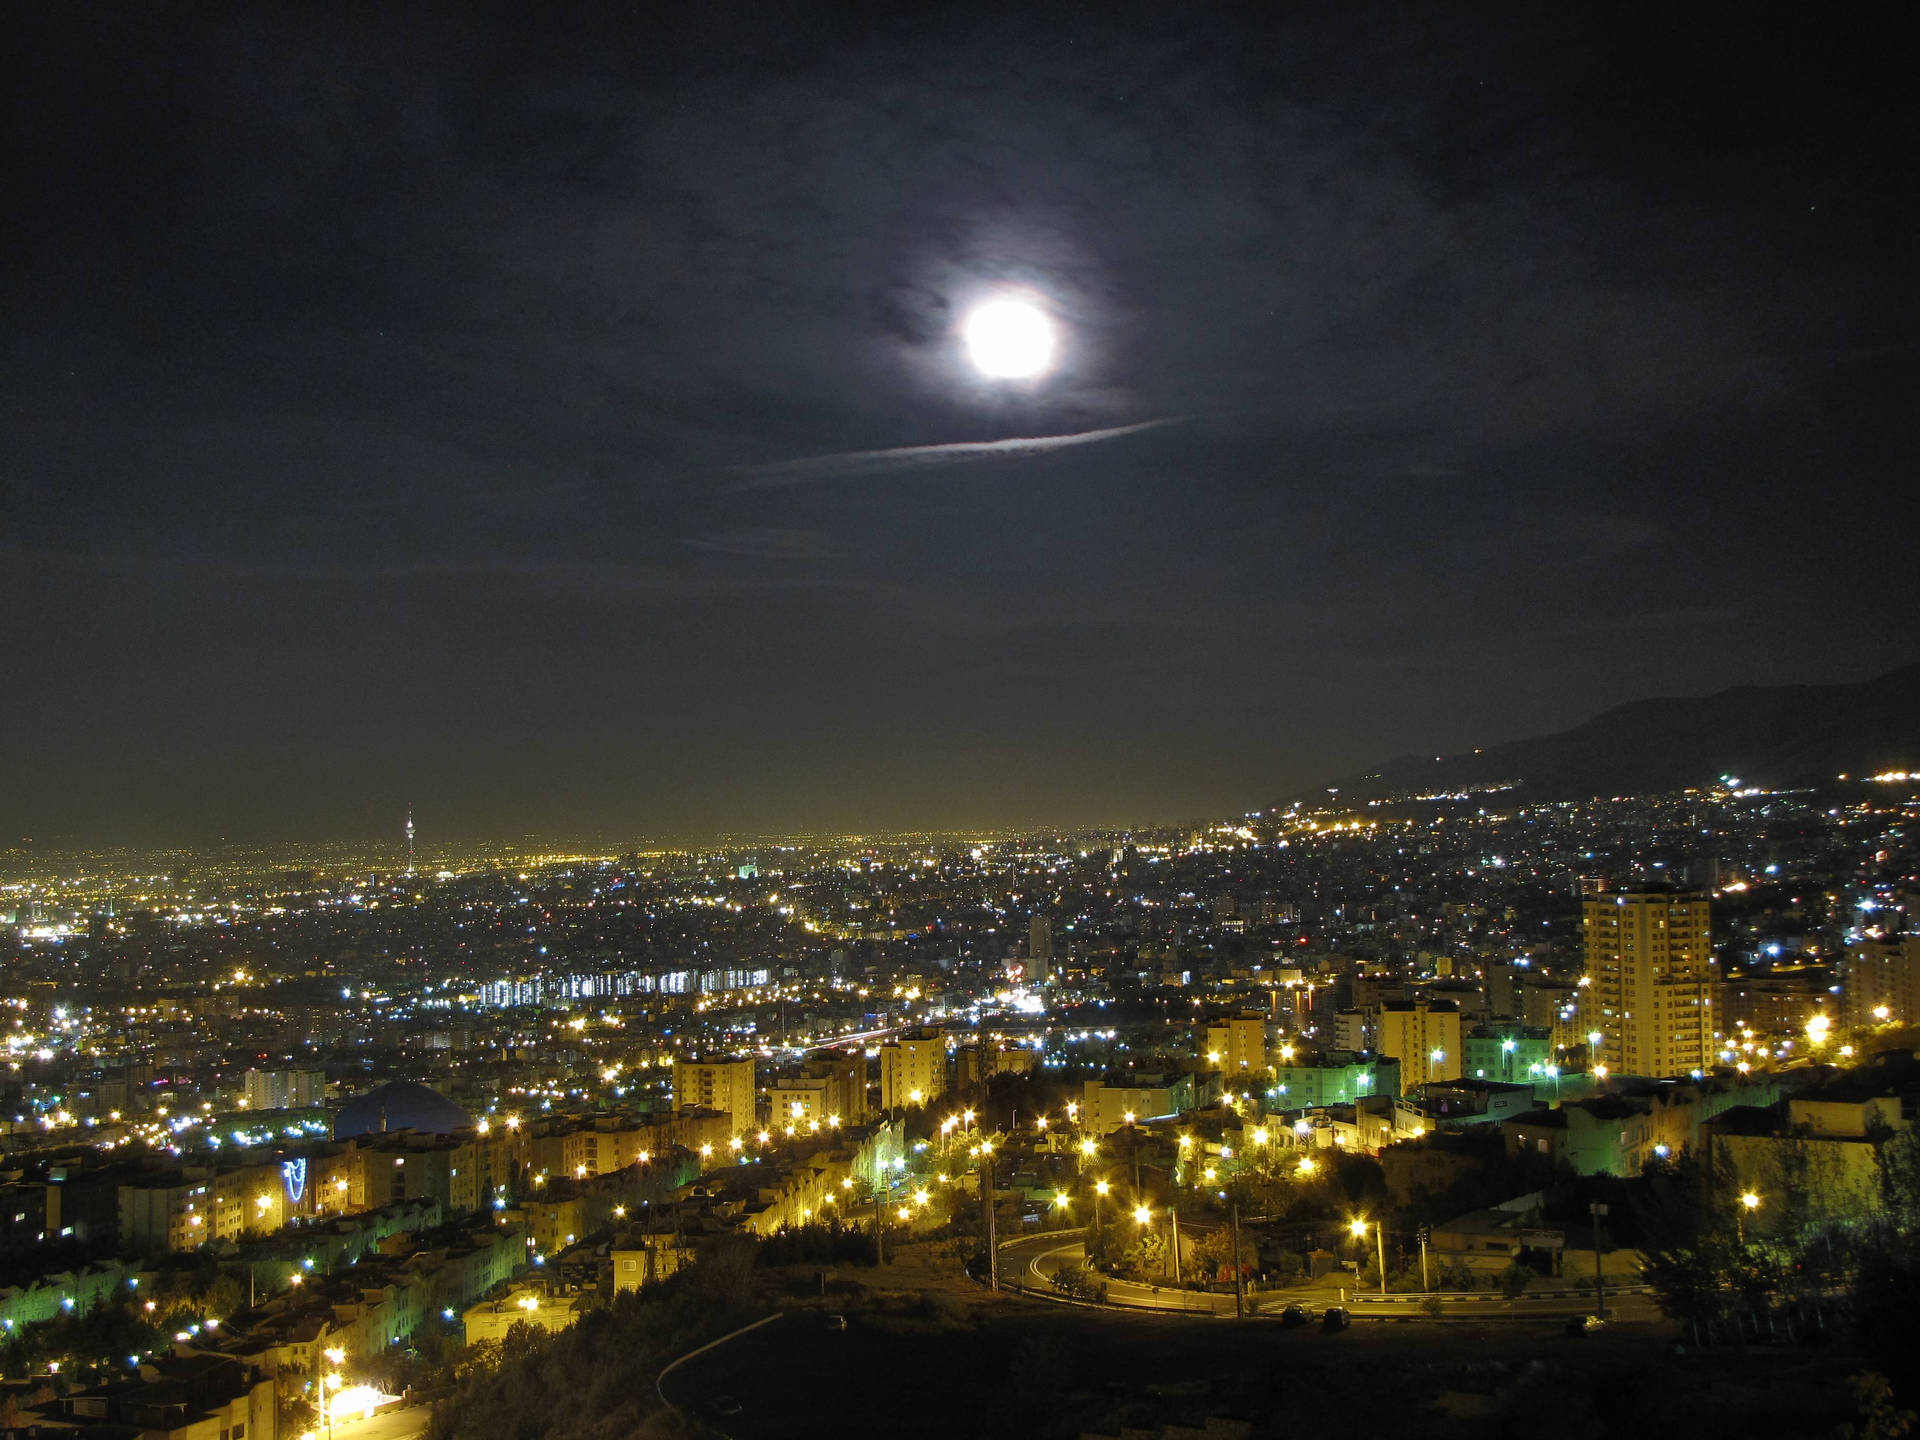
(1649, 958)
(409, 842)
(1039, 950)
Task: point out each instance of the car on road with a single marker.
(1335, 1317)
(1293, 1316)
(1586, 1325)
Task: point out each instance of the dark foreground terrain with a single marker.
(1030, 1369)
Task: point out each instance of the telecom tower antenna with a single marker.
(409, 843)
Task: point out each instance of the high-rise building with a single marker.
(913, 1069)
(1039, 950)
(1237, 1047)
(724, 1085)
(830, 1091)
(1650, 963)
(1424, 1038)
(1881, 982)
(285, 1089)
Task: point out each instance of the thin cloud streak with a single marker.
(858, 463)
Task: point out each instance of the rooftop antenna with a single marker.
(409, 842)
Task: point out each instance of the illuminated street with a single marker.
(394, 1423)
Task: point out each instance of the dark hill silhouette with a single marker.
(1771, 736)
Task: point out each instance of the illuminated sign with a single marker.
(294, 1174)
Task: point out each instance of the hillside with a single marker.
(1774, 737)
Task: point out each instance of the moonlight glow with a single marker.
(1009, 339)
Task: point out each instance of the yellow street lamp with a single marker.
(1142, 1214)
(1359, 1229)
(335, 1357)
(1749, 1203)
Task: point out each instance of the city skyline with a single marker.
(569, 427)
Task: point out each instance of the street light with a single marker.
(330, 1384)
(1358, 1227)
(1749, 1203)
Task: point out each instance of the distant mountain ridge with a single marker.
(1770, 736)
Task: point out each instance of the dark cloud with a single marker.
(422, 398)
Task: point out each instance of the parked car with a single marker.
(1335, 1317)
(1585, 1325)
(1293, 1316)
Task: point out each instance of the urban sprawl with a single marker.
(287, 1130)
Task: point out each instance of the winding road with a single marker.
(1029, 1264)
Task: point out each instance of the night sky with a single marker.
(538, 415)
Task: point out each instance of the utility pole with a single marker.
(1380, 1239)
(1425, 1235)
(1596, 1210)
(1173, 1224)
(993, 1246)
(879, 1227)
(1239, 1277)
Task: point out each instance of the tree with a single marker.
(1691, 1248)
(1079, 1282)
(1145, 1258)
(1880, 1418)
(1212, 1254)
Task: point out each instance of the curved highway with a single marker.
(1029, 1264)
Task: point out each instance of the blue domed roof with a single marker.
(401, 1105)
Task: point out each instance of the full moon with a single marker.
(1009, 339)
